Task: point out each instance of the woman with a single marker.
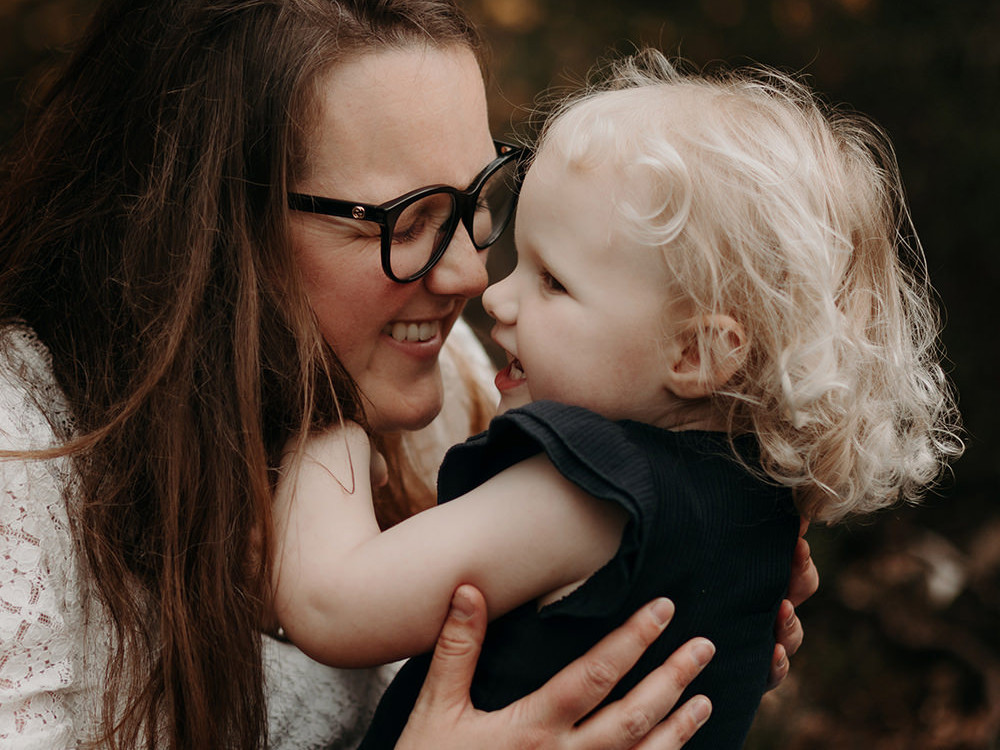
(169, 323)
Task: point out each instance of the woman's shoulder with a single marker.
(51, 627)
(33, 489)
(31, 402)
(21, 351)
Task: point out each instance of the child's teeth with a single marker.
(516, 372)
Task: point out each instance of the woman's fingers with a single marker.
(625, 723)
(449, 676)
(553, 716)
(805, 577)
(632, 721)
(578, 688)
(679, 727)
(779, 667)
(788, 632)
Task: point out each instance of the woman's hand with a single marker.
(444, 717)
(788, 630)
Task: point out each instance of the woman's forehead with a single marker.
(397, 119)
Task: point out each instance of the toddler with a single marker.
(717, 322)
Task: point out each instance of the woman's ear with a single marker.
(722, 340)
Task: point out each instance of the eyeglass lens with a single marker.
(425, 226)
(420, 229)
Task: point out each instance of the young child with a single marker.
(717, 318)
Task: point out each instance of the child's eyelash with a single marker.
(551, 283)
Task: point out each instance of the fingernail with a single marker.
(701, 709)
(462, 607)
(781, 663)
(789, 622)
(663, 611)
(703, 652)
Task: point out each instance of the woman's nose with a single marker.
(499, 301)
(461, 270)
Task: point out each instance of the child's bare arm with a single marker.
(348, 595)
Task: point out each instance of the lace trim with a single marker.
(47, 696)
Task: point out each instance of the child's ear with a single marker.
(725, 343)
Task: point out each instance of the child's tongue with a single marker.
(510, 377)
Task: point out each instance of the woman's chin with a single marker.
(401, 414)
(402, 401)
(400, 421)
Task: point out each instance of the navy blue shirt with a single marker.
(702, 529)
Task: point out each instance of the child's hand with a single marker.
(379, 469)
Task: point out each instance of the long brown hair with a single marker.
(143, 235)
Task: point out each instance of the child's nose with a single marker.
(500, 303)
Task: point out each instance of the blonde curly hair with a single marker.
(789, 216)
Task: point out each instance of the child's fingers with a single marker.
(379, 469)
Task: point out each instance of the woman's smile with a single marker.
(413, 331)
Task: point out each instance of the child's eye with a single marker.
(551, 283)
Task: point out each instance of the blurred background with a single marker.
(902, 643)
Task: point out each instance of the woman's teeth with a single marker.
(413, 332)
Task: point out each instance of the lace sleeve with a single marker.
(42, 622)
(310, 705)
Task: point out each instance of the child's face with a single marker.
(582, 316)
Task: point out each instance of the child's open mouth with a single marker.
(511, 376)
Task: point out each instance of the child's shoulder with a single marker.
(579, 443)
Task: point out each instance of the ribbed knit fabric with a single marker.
(702, 530)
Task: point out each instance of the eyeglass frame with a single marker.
(386, 214)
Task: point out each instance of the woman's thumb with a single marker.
(454, 662)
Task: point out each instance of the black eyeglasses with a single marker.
(417, 228)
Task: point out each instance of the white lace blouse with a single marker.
(54, 634)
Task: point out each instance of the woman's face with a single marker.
(390, 122)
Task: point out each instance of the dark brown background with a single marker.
(903, 641)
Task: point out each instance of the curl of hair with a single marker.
(788, 215)
(144, 237)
